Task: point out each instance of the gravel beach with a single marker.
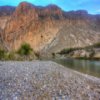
(45, 80)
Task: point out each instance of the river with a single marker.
(85, 66)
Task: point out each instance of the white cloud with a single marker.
(98, 11)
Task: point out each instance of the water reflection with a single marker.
(85, 66)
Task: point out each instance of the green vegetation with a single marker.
(25, 50)
(96, 45)
(2, 54)
(38, 55)
(68, 50)
(87, 52)
(53, 55)
(88, 48)
(9, 56)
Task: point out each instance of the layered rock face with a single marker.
(47, 29)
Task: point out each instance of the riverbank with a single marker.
(90, 67)
(45, 80)
(87, 53)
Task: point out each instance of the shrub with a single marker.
(53, 55)
(25, 49)
(96, 45)
(68, 50)
(37, 54)
(2, 54)
(10, 56)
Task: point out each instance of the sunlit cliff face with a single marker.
(47, 28)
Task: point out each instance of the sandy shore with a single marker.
(45, 80)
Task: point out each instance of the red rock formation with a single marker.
(43, 28)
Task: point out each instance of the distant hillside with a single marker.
(6, 10)
(47, 29)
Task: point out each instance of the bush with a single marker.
(37, 54)
(25, 49)
(96, 45)
(2, 54)
(68, 50)
(53, 55)
(10, 56)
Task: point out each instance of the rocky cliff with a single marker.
(47, 29)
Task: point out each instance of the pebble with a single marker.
(45, 80)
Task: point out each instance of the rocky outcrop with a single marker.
(83, 53)
(47, 29)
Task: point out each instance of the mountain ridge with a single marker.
(43, 28)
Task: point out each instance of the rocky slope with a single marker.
(40, 80)
(47, 29)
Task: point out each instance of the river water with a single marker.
(84, 66)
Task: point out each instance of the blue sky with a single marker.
(92, 6)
